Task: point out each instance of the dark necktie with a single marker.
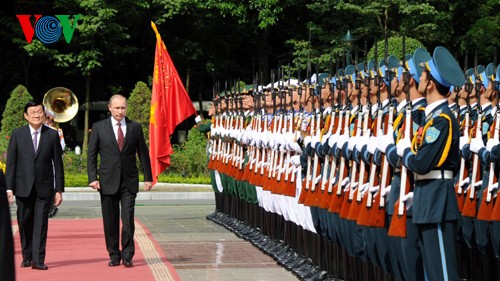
(35, 140)
(121, 138)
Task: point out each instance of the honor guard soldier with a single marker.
(433, 157)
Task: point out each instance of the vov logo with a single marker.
(48, 29)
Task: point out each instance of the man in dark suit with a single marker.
(7, 270)
(34, 160)
(118, 140)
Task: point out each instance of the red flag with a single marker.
(170, 105)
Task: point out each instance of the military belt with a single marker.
(435, 174)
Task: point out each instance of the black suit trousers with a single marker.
(33, 220)
(110, 206)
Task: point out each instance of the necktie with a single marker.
(121, 138)
(35, 140)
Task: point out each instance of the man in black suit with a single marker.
(7, 270)
(118, 140)
(34, 160)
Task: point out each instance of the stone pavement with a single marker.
(198, 248)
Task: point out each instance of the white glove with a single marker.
(296, 148)
(402, 145)
(372, 145)
(476, 144)
(374, 189)
(364, 188)
(295, 160)
(307, 140)
(384, 142)
(493, 187)
(342, 140)
(462, 142)
(256, 140)
(362, 141)
(332, 140)
(245, 138)
(351, 143)
(345, 182)
(464, 183)
(325, 138)
(408, 199)
(491, 143)
(314, 141)
(478, 184)
(385, 190)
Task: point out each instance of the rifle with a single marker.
(487, 204)
(346, 205)
(356, 206)
(337, 115)
(397, 227)
(378, 214)
(464, 172)
(338, 198)
(470, 206)
(307, 180)
(311, 198)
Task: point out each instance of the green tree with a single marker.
(188, 159)
(394, 47)
(139, 106)
(13, 116)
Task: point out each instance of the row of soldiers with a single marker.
(385, 171)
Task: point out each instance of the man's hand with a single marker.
(58, 199)
(148, 185)
(95, 185)
(10, 197)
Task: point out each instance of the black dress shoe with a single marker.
(39, 266)
(26, 263)
(114, 262)
(128, 263)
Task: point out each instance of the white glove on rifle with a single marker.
(462, 142)
(384, 142)
(408, 199)
(402, 145)
(491, 143)
(372, 145)
(476, 144)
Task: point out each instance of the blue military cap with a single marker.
(392, 63)
(372, 69)
(498, 77)
(470, 75)
(481, 75)
(414, 66)
(321, 78)
(488, 75)
(361, 69)
(498, 73)
(350, 72)
(444, 68)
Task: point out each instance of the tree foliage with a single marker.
(139, 104)
(222, 40)
(13, 116)
(189, 158)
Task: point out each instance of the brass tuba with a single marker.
(63, 102)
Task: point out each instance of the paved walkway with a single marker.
(198, 248)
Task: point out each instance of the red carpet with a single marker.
(76, 252)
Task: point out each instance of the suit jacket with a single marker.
(27, 169)
(7, 269)
(114, 163)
